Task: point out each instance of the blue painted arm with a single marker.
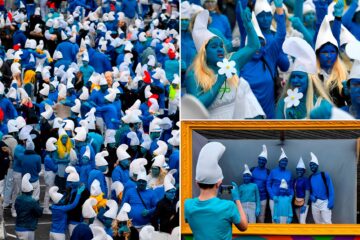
(331, 192)
(298, 10)
(268, 186)
(241, 3)
(321, 11)
(336, 29)
(348, 16)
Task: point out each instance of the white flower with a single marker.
(227, 68)
(293, 98)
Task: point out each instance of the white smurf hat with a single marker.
(25, 183)
(50, 144)
(208, 170)
(304, 54)
(264, 152)
(200, 32)
(113, 209)
(162, 148)
(123, 213)
(87, 208)
(118, 187)
(95, 189)
(352, 50)
(325, 34)
(100, 160)
(314, 158)
(54, 195)
(283, 155)
(247, 170)
(121, 152)
(73, 175)
(262, 5)
(301, 164)
(169, 180)
(11, 125)
(158, 161)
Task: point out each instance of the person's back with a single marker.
(217, 214)
(28, 211)
(31, 164)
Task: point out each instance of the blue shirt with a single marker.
(318, 189)
(282, 207)
(259, 176)
(301, 185)
(121, 175)
(274, 181)
(211, 219)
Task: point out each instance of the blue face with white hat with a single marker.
(327, 56)
(309, 19)
(264, 19)
(141, 185)
(247, 178)
(170, 194)
(124, 164)
(299, 80)
(314, 167)
(214, 51)
(283, 163)
(185, 24)
(300, 172)
(262, 162)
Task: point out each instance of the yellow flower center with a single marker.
(292, 97)
(227, 67)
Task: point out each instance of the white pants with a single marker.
(43, 8)
(320, 212)
(283, 220)
(108, 183)
(49, 177)
(71, 228)
(302, 216)
(261, 217)
(16, 188)
(250, 211)
(28, 235)
(2, 185)
(100, 124)
(9, 182)
(109, 136)
(36, 192)
(57, 236)
(271, 204)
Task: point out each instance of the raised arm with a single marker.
(348, 16)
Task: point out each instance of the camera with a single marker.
(226, 189)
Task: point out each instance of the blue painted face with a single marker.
(73, 185)
(85, 160)
(170, 194)
(85, 63)
(141, 185)
(69, 133)
(125, 163)
(103, 88)
(154, 135)
(327, 56)
(155, 172)
(214, 51)
(64, 139)
(185, 24)
(309, 19)
(264, 19)
(283, 191)
(247, 178)
(299, 80)
(355, 91)
(103, 168)
(262, 162)
(283, 163)
(314, 167)
(107, 222)
(300, 172)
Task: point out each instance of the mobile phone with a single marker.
(226, 189)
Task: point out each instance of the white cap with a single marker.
(2, 88)
(11, 125)
(162, 148)
(136, 165)
(200, 32)
(113, 209)
(142, 175)
(87, 152)
(131, 117)
(87, 208)
(264, 152)
(301, 164)
(63, 36)
(325, 35)
(48, 112)
(159, 161)
(45, 90)
(247, 170)
(169, 180)
(304, 54)
(61, 132)
(84, 94)
(50, 144)
(208, 170)
(175, 139)
(24, 132)
(185, 10)
(175, 233)
(111, 96)
(100, 160)
(29, 143)
(69, 125)
(90, 118)
(54, 195)
(352, 50)
(262, 5)
(12, 93)
(73, 175)
(151, 60)
(85, 56)
(25, 183)
(57, 55)
(134, 140)
(314, 158)
(99, 233)
(121, 152)
(76, 107)
(154, 125)
(283, 184)
(146, 141)
(165, 123)
(123, 213)
(118, 187)
(147, 91)
(80, 134)
(58, 122)
(95, 189)
(283, 155)
(308, 6)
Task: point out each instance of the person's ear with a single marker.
(218, 184)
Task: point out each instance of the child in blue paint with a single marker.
(283, 212)
(249, 196)
(302, 192)
(209, 210)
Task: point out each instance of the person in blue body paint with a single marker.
(217, 92)
(301, 192)
(110, 216)
(303, 80)
(50, 171)
(140, 213)
(68, 49)
(207, 209)
(274, 180)
(5, 104)
(98, 60)
(28, 211)
(59, 212)
(121, 171)
(322, 193)
(351, 19)
(98, 173)
(130, 9)
(259, 177)
(249, 196)
(84, 167)
(261, 69)
(283, 212)
(82, 230)
(218, 20)
(86, 69)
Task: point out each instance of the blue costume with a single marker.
(259, 176)
(19, 37)
(31, 163)
(99, 61)
(129, 8)
(221, 22)
(28, 211)
(98, 175)
(274, 181)
(318, 189)
(282, 208)
(121, 175)
(8, 109)
(69, 50)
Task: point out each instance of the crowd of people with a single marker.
(89, 106)
(284, 59)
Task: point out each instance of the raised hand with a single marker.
(339, 8)
(235, 192)
(278, 3)
(296, 23)
(246, 17)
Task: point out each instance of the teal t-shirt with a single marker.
(211, 219)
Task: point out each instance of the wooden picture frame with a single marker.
(187, 127)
